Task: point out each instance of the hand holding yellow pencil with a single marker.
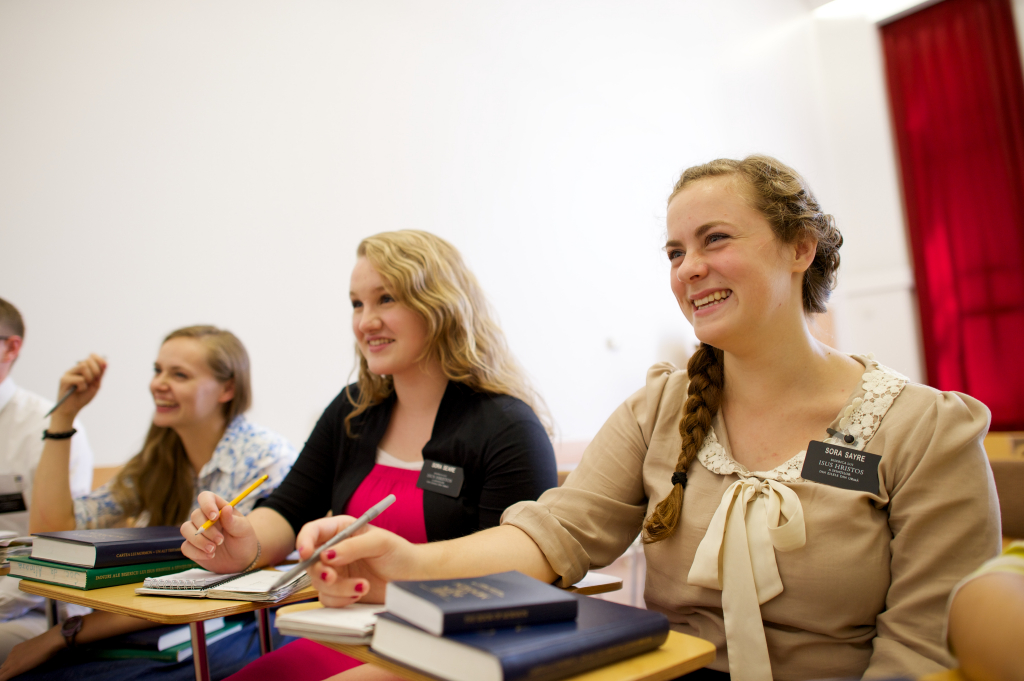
(209, 523)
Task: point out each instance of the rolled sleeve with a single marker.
(593, 518)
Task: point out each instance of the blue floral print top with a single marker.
(244, 453)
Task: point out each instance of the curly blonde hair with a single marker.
(784, 199)
(427, 274)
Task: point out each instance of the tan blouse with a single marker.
(848, 582)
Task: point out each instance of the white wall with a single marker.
(875, 304)
(170, 163)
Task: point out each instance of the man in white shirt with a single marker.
(22, 616)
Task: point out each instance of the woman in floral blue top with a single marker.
(199, 439)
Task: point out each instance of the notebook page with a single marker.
(356, 619)
(194, 578)
(258, 582)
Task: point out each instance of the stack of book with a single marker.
(352, 625)
(501, 627)
(91, 559)
(13, 545)
(169, 644)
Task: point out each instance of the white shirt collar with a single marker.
(7, 390)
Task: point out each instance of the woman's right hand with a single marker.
(227, 546)
(85, 377)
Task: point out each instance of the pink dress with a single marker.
(304, 660)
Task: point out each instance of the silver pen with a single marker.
(300, 567)
(69, 393)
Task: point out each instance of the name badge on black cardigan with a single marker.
(841, 467)
(442, 478)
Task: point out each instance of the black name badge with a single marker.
(841, 467)
(443, 478)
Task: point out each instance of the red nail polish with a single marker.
(360, 586)
(323, 576)
(331, 555)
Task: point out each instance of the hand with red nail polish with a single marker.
(357, 568)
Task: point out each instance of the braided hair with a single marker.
(705, 396)
(784, 199)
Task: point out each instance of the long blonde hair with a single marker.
(784, 199)
(159, 480)
(427, 274)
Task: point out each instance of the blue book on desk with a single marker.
(110, 547)
(603, 632)
(505, 599)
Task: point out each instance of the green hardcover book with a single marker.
(91, 578)
(176, 653)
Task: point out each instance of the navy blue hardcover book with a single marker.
(448, 606)
(603, 632)
(110, 547)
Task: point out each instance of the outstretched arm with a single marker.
(361, 566)
(95, 627)
(52, 508)
(986, 619)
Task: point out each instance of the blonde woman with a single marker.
(199, 439)
(436, 383)
(792, 577)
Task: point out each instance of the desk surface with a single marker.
(949, 675)
(680, 654)
(162, 609)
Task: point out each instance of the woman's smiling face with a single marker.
(185, 391)
(730, 275)
(391, 336)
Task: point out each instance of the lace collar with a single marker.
(861, 416)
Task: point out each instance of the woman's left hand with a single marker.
(32, 653)
(359, 567)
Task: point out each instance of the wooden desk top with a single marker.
(949, 675)
(680, 654)
(162, 609)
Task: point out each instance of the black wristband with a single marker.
(47, 435)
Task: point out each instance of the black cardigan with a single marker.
(497, 439)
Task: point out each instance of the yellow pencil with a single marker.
(209, 523)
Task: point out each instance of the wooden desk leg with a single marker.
(199, 651)
(263, 623)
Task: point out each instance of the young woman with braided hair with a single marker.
(789, 577)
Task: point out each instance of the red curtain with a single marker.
(957, 96)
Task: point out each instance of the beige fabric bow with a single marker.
(737, 557)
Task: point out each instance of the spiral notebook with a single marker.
(238, 586)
